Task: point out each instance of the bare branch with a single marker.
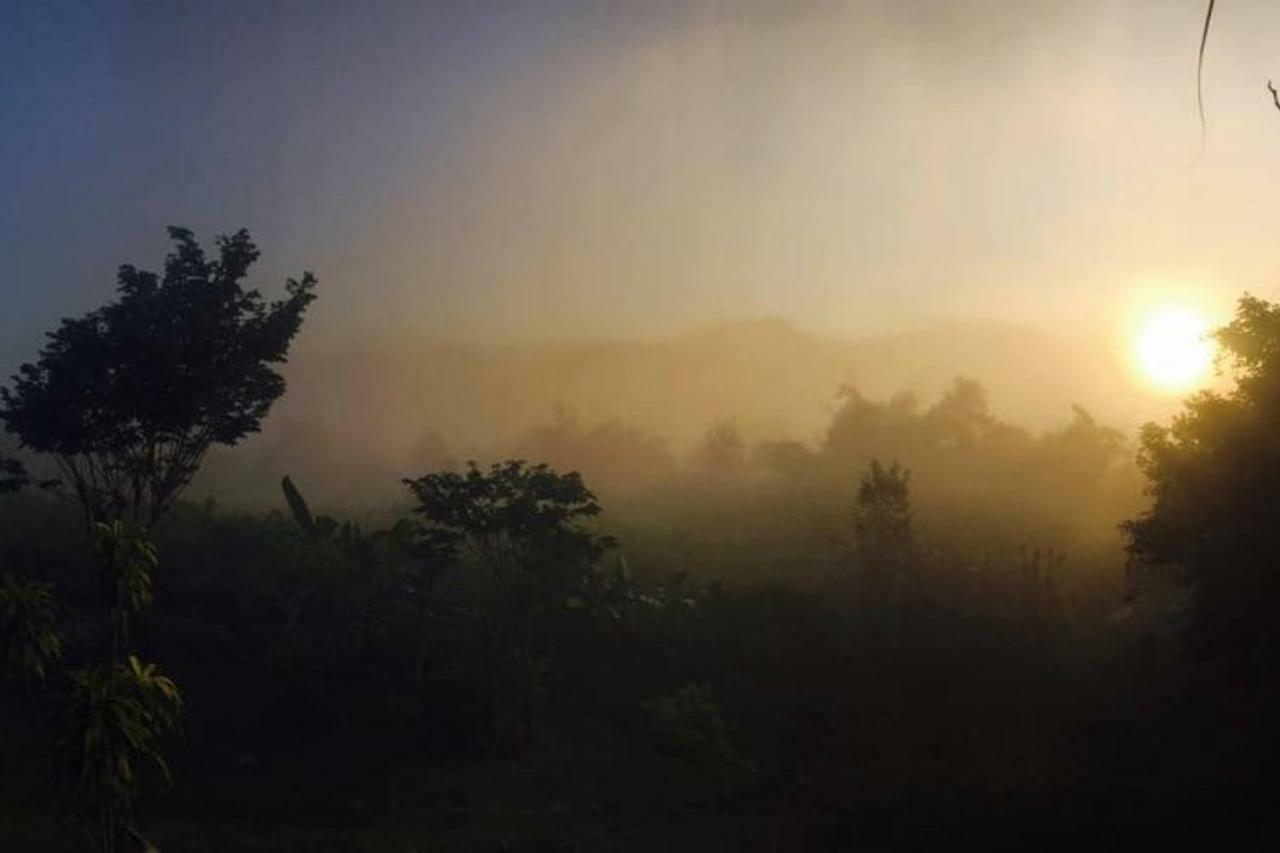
(1200, 69)
(1204, 39)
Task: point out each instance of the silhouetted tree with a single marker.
(1214, 482)
(960, 419)
(128, 398)
(617, 457)
(722, 451)
(516, 520)
(862, 427)
(1079, 458)
(882, 519)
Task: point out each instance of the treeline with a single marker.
(871, 639)
(983, 488)
(318, 661)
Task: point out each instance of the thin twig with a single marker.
(1275, 96)
(1204, 39)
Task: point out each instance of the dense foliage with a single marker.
(1214, 477)
(784, 645)
(117, 714)
(517, 521)
(128, 398)
(28, 630)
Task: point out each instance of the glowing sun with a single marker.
(1173, 348)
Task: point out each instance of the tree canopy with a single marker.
(882, 518)
(519, 521)
(128, 398)
(1214, 482)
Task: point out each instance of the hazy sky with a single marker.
(590, 169)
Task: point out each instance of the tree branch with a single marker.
(1204, 39)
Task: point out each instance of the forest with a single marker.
(929, 629)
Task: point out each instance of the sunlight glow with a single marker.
(1173, 349)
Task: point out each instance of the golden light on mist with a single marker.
(1173, 349)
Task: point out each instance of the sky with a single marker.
(569, 170)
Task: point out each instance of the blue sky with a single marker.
(589, 169)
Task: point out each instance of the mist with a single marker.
(909, 189)
(587, 171)
(615, 425)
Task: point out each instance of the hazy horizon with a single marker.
(727, 210)
(573, 170)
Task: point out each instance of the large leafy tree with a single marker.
(1214, 481)
(130, 397)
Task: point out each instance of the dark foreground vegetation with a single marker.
(925, 632)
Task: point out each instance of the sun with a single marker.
(1173, 349)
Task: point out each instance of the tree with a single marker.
(960, 420)
(126, 561)
(1214, 482)
(128, 398)
(120, 709)
(882, 519)
(118, 713)
(519, 523)
(863, 427)
(617, 457)
(722, 452)
(516, 520)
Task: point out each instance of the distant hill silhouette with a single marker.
(357, 419)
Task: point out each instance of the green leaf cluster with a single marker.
(118, 713)
(28, 628)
